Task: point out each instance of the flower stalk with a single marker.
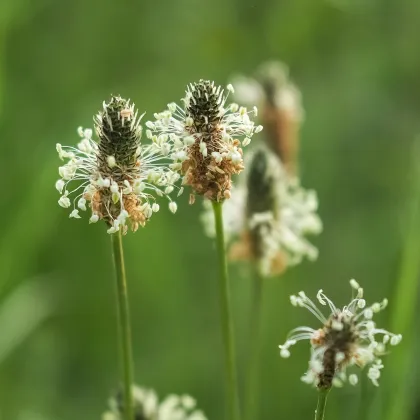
(226, 318)
(322, 402)
(124, 324)
(349, 337)
(252, 391)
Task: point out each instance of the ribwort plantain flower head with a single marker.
(148, 407)
(203, 138)
(116, 177)
(281, 109)
(348, 337)
(269, 217)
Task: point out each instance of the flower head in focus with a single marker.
(203, 138)
(281, 109)
(117, 178)
(269, 216)
(148, 407)
(348, 337)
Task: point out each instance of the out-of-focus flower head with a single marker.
(203, 138)
(117, 178)
(281, 110)
(269, 216)
(148, 407)
(348, 337)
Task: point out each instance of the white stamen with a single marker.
(353, 379)
(111, 161)
(173, 207)
(75, 214)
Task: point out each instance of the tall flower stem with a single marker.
(404, 313)
(252, 391)
(226, 318)
(365, 401)
(124, 323)
(322, 402)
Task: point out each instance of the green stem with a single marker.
(226, 318)
(322, 402)
(405, 301)
(124, 324)
(365, 398)
(252, 393)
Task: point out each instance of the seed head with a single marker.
(119, 132)
(282, 112)
(348, 337)
(261, 200)
(269, 217)
(202, 104)
(261, 183)
(119, 176)
(203, 138)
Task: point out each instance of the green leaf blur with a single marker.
(358, 69)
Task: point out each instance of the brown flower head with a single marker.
(205, 136)
(269, 217)
(348, 337)
(282, 113)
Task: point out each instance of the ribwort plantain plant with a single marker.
(202, 137)
(118, 179)
(270, 216)
(348, 337)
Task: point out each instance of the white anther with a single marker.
(75, 214)
(59, 185)
(353, 379)
(173, 206)
(361, 303)
(396, 339)
(368, 313)
(94, 218)
(111, 161)
(285, 353)
(337, 325)
(82, 204)
(354, 284)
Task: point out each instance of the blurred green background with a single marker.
(357, 64)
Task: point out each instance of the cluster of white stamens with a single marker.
(174, 131)
(206, 125)
(348, 337)
(280, 226)
(148, 407)
(115, 188)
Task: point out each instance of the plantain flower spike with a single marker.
(116, 178)
(204, 138)
(269, 217)
(148, 407)
(347, 337)
(281, 109)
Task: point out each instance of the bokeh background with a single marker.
(357, 64)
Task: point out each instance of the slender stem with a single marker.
(226, 318)
(401, 399)
(124, 324)
(252, 392)
(365, 401)
(322, 402)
